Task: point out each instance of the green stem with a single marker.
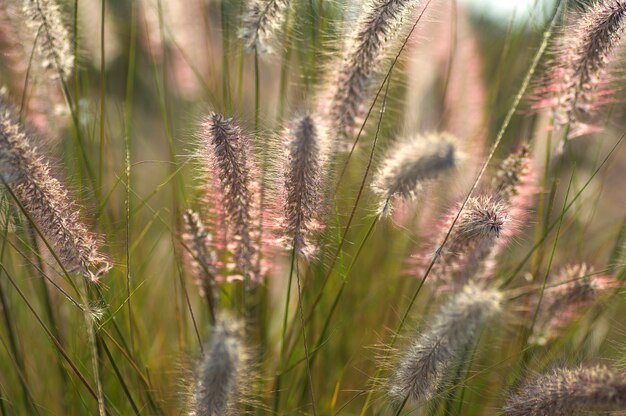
(8, 322)
(225, 64)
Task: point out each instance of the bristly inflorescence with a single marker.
(203, 258)
(482, 222)
(585, 52)
(221, 377)
(262, 20)
(304, 175)
(54, 42)
(411, 163)
(424, 364)
(572, 291)
(361, 56)
(45, 200)
(566, 392)
(513, 178)
(227, 159)
(514, 186)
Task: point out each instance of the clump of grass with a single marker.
(345, 255)
(565, 392)
(45, 200)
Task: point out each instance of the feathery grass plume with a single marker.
(304, 170)
(514, 177)
(514, 186)
(219, 387)
(482, 222)
(376, 27)
(226, 156)
(584, 54)
(54, 42)
(262, 20)
(47, 202)
(203, 258)
(425, 363)
(410, 163)
(567, 392)
(575, 288)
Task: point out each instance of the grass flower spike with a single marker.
(425, 362)
(376, 27)
(567, 392)
(54, 42)
(483, 221)
(304, 179)
(226, 154)
(262, 20)
(203, 258)
(410, 164)
(585, 52)
(512, 182)
(575, 288)
(514, 186)
(222, 374)
(46, 201)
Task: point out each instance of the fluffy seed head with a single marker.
(426, 361)
(481, 224)
(46, 201)
(514, 186)
(54, 42)
(376, 27)
(226, 156)
(566, 392)
(410, 163)
(304, 177)
(221, 375)
(513, 177)
(262, 20)
(203, 259)
(586, 51)
(575, 288)
(482, 217)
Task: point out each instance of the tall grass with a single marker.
(311, 207)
